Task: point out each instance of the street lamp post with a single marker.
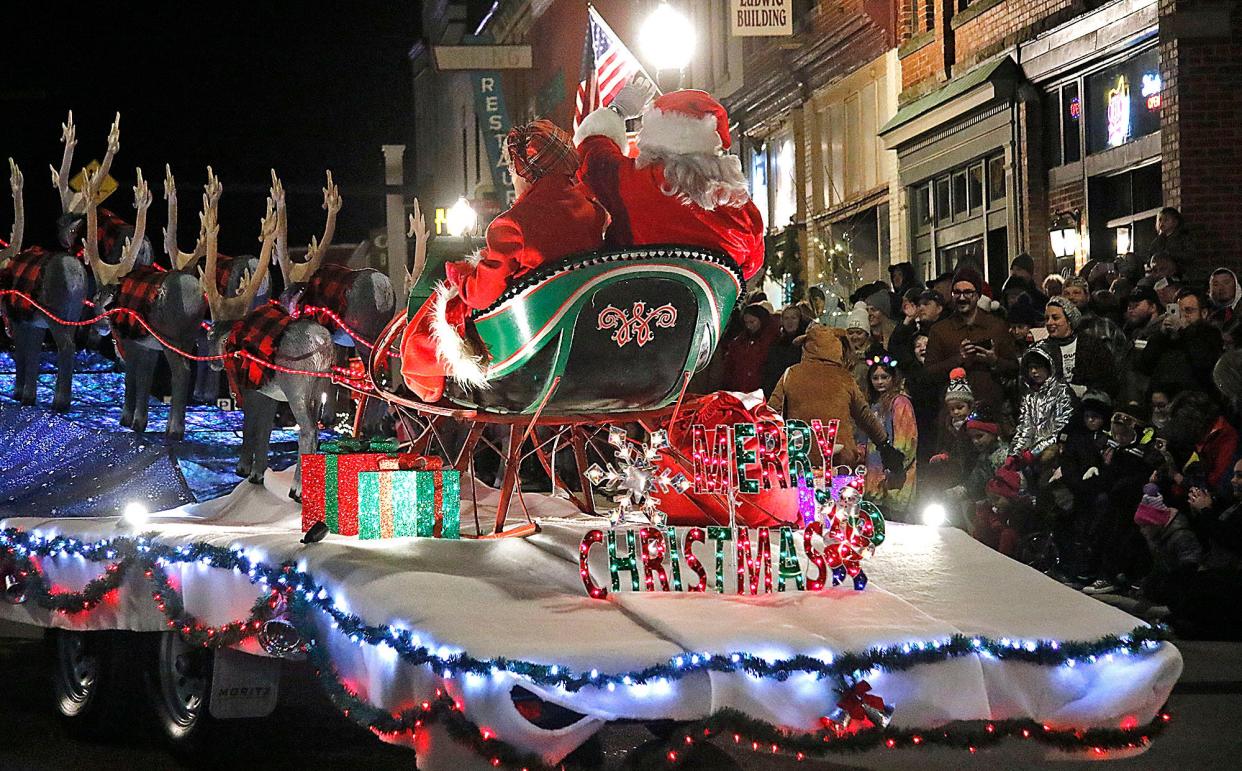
(667, 39)
(1065, 239)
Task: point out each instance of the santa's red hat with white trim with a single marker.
(685, 122)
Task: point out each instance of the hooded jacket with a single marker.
(1222, 314)
(1045, 411)
(820, 387)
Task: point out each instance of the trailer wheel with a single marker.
(93, 681)
(178, 684)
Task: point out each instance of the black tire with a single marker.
(177, 678)
(95, 687)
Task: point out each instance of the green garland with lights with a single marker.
(283, 586)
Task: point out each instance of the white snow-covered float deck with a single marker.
(523, 600)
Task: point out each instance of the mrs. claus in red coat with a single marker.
(683, 188)
(554, 216)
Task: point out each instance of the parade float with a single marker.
(693, 562)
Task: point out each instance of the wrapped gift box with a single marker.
(393, 502)
(330, 480)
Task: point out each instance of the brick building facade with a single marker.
(1098, 113)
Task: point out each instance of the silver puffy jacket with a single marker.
(1045, 412)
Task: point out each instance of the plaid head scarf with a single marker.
(540, 148)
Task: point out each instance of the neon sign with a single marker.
(1118, 100)
(1151, 89)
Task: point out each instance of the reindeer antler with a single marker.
(16, 181)
(114, 144)
(282, 230)
(223, 308)
(106, 274)
(418, 231)
(133, 244)
(60, 179)
(180, 260)
(302, 272)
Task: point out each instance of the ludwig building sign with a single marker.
(761, 18)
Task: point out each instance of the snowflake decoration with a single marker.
(631, 482)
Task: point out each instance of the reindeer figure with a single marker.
(269, 333)
(363, 299)
(58, 281)
(170, 302)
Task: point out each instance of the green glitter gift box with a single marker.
(393, 503)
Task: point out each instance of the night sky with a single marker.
(241, 86)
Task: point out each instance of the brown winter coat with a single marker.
(820, 387)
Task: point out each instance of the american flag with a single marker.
(607, 65)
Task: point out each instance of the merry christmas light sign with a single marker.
(839, 528)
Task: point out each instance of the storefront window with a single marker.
(943, 213)
(1123, 102)
(785, 203)
(922, 208)
(996, 179)
(974, 187)
(759, 181)
(1071, 122)
(959, 193)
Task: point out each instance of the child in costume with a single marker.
(893, 407)
(554, 216)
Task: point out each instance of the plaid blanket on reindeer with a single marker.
(138, 291)
(22, 274)
(257, 334)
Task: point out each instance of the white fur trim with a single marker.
(678, 133)
(602, 122)
(464, 365)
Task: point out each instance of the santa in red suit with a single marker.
(683, 188)
(554, 216)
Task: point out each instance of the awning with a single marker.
(980, 86)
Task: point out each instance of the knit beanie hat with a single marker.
(1097, 402)
(1072, 314)
(858, 317)
(970, 276)
(1151, 510)
(959, 387)
(880, 299)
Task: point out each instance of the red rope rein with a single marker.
(339, 375)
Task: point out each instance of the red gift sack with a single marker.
(767, 508)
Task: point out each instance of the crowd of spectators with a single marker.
(1086, 424)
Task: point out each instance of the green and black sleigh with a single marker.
(607, 337)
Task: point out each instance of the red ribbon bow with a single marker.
(853, 701)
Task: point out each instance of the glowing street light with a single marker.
(667, 39)
(461, 218)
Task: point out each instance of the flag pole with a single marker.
(596, 15)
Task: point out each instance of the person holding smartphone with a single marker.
(1181, 354)
(973, 339)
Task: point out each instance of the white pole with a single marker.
(394, 200)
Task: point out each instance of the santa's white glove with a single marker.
(1091, 473)
(631, 99)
